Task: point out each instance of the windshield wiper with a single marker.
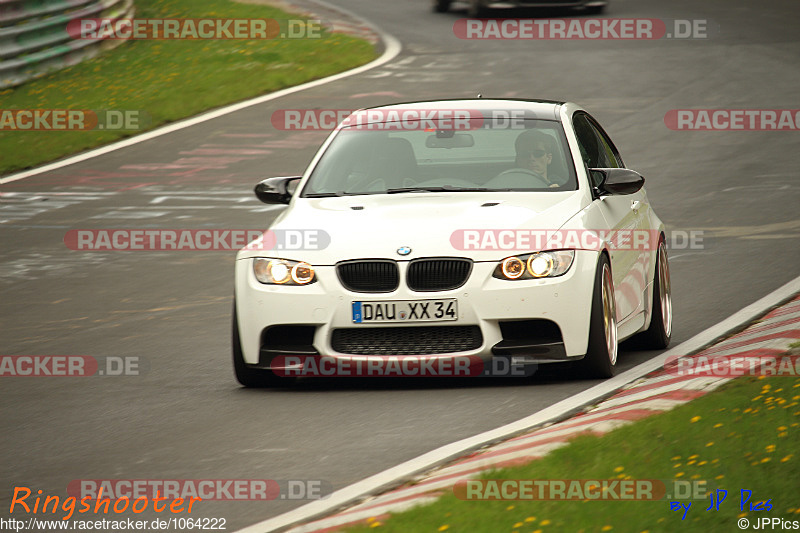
(324, 194)
(444, 188)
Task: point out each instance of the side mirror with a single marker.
(277, 190)
(616, 180)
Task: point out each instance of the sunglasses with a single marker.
(536, 154)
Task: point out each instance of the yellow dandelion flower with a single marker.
(770, 448)
(518, 524)
(709, 444)
(376, 524)
(786, 458)
(545, 522)
(694, 419)
(719, 477)
(530, 519)
(606, 528)
(510, 508)
(619, 469)
(766, 460)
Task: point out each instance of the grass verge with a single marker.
(741, 436)
(168, 80)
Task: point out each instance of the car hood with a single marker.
(430, 224)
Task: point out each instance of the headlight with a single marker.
(282, 271)
(536, 265)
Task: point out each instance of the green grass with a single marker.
(171, 79)
(742, 436)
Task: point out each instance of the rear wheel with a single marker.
(601, 355)
(659, 333)
(442, 6)
(245, 375)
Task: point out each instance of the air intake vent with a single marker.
(369, 275)
(407, 340)
(438, 274)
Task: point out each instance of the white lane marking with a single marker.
(393, 48)
(558, 411)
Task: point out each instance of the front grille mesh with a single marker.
(438, 274)
(406, 340)
(369, 275)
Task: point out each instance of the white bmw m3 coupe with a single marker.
(479, 229)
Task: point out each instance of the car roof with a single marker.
(542, 109)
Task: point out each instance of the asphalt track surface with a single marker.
(186, 418)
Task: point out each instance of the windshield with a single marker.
(532, 156)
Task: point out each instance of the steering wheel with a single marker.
(525, 171)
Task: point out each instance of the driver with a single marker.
(535, 153)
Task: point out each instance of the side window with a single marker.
(597, 150)
(587, 140)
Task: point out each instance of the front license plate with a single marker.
(405, 311)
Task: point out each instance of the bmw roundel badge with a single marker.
(404, 250)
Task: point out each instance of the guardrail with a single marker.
(34, 38)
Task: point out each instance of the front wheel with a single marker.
(442, 6)
(659, 333)
(601, 355)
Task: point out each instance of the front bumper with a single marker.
(484, 302)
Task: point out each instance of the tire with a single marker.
(476, 9)
(659, 334)
(245, 375)
(594, 10)
(441, 6)
(601, 355)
